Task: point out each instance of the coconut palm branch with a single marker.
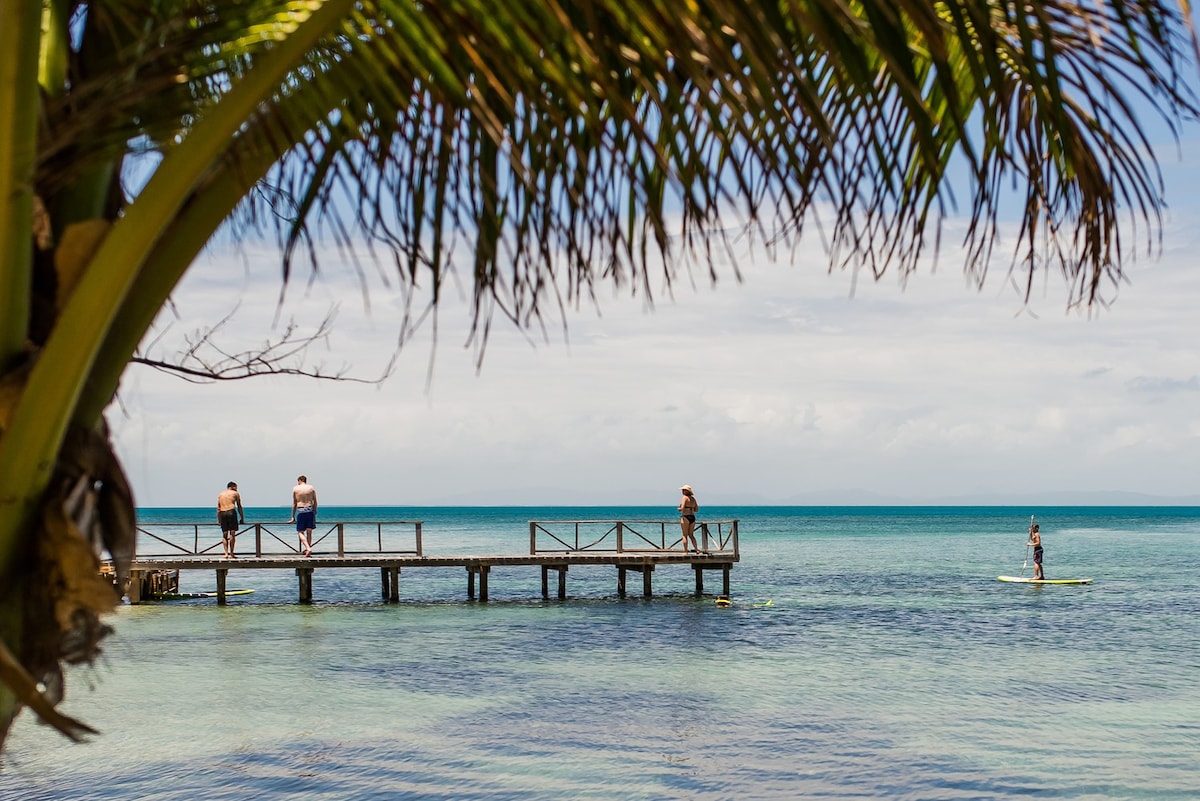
(529, 150)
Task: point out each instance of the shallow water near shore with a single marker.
(888, 663)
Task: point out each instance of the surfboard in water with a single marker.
(1023, 580)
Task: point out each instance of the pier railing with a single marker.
(401, 537)
(628, 536)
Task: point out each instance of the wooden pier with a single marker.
(554, 546)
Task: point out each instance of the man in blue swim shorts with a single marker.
(304, 512)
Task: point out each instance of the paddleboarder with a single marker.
(1035, 539)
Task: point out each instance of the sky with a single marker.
(793, 386)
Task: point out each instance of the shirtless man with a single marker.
(304, 512)
(230, 515)
(1035, 539)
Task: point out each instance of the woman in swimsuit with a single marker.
(688, 507)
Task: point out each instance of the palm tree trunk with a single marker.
(20, 36)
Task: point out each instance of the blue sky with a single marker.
(784, 388)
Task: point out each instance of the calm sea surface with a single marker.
(889, 663)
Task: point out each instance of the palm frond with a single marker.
(570, 143)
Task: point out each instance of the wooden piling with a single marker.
(304, 575)
(134, 591)
(562, 580)
(482, 571)
(647, 571)
(221, 575)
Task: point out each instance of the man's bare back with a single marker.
(304, 495)
(228, 500)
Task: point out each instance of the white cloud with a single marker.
(767, 389)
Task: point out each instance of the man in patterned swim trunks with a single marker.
(230, 515)
(304, 512)
(1035, 539)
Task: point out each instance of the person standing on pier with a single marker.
(230, 515)
(688, 507)
(304, 512)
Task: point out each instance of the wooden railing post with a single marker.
(419, 538)
(196, 528)
(532, 538)
(342, 539)
(620, 537)
(735, 542)
(258, 539)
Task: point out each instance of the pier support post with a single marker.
(562, 580)
(304, 574)
(395, 596)
(647, 571)
(724, 567)
(221, 575)
(482, 570)
(134, 592)
(383, 579)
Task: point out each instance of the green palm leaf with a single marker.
(545, 147)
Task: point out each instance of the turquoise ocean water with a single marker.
(889, 664)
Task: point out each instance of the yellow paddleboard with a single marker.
(1023, 580)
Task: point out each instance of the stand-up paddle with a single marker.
(1021, 578)
(1026, 562)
